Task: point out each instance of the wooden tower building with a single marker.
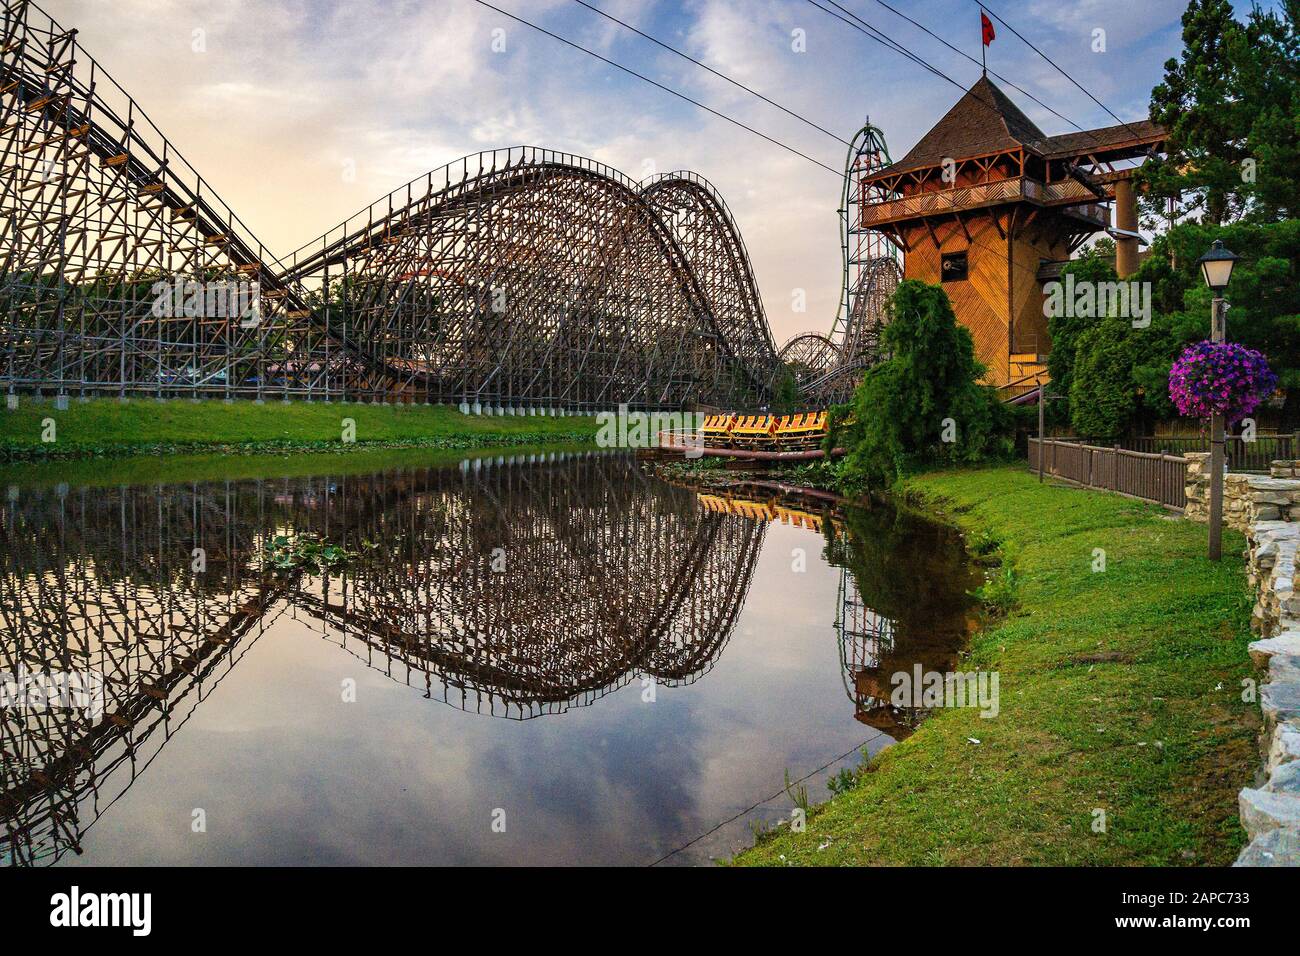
(989, 206)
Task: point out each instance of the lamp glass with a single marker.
(1216, 266)
(1217, 273)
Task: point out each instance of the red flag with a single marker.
(986, 28)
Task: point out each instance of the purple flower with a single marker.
(1209, 378)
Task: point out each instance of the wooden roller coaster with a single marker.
(519, 279)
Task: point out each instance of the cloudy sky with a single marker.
(300, 112)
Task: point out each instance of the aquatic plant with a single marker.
(842, 781)
(307, 552)
(998, 593)
(799, 793)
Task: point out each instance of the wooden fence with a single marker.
(1147, 476)
(1242, 455)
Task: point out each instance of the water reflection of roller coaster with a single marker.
(903, 601)
(101, 580)
(881, 629)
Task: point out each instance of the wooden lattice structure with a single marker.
(531, 278)
(96, 207)
(519, 279)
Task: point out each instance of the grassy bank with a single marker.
(145, 426)
(1119, 691)
(152, 470)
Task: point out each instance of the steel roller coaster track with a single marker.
(826, 368)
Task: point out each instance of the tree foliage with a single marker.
(924, 403)
(1230, 104)
(1116, 376)
(1104, 399)
(785, 392)
(1066, 328)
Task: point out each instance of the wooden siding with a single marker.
(980, 301)
(1029, 329)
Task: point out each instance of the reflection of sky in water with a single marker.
(619, 571)
(288, 773)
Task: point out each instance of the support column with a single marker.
(1218, 335)
(1126, 219)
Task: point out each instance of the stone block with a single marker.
(1262, 811)
(1260, 483)
(1288, 642)
(1284, 668)
(1258, 499)
(1284, 745)
(1285, 779)
(1280, 701)
(1278, 847)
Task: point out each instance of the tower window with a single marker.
(953, 266)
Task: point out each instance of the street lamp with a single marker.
(1216, 267)
(1043, 398)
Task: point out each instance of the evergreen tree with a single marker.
(1231, 104)
(1266, 78)
(924, 403)
(1103, 400)
(1065, 329)
(1195, 103)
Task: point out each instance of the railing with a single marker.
(980, 194)
(1242, 455)
(1021, 386)
(1157, 478)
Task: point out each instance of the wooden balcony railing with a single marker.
(960, 198)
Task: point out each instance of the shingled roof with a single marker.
(985, 121)
(1100, 140)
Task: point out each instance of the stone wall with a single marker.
(1270, 507)
(1247, 499)
(1271, 812)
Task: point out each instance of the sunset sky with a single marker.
(300, 113)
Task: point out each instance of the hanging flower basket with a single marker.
(1227, 378)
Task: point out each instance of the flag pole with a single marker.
(984, 67)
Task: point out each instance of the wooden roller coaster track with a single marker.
(524, 278)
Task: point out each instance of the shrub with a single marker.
(923, 404)
(1103, 400)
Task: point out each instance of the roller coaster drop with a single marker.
(826, 368)
(521, 279)
(518, 280)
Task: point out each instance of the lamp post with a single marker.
(1216, 267)
(1043, 399)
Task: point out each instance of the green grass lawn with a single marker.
(1120, 691)
(107, 426)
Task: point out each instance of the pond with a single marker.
(541, 658)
